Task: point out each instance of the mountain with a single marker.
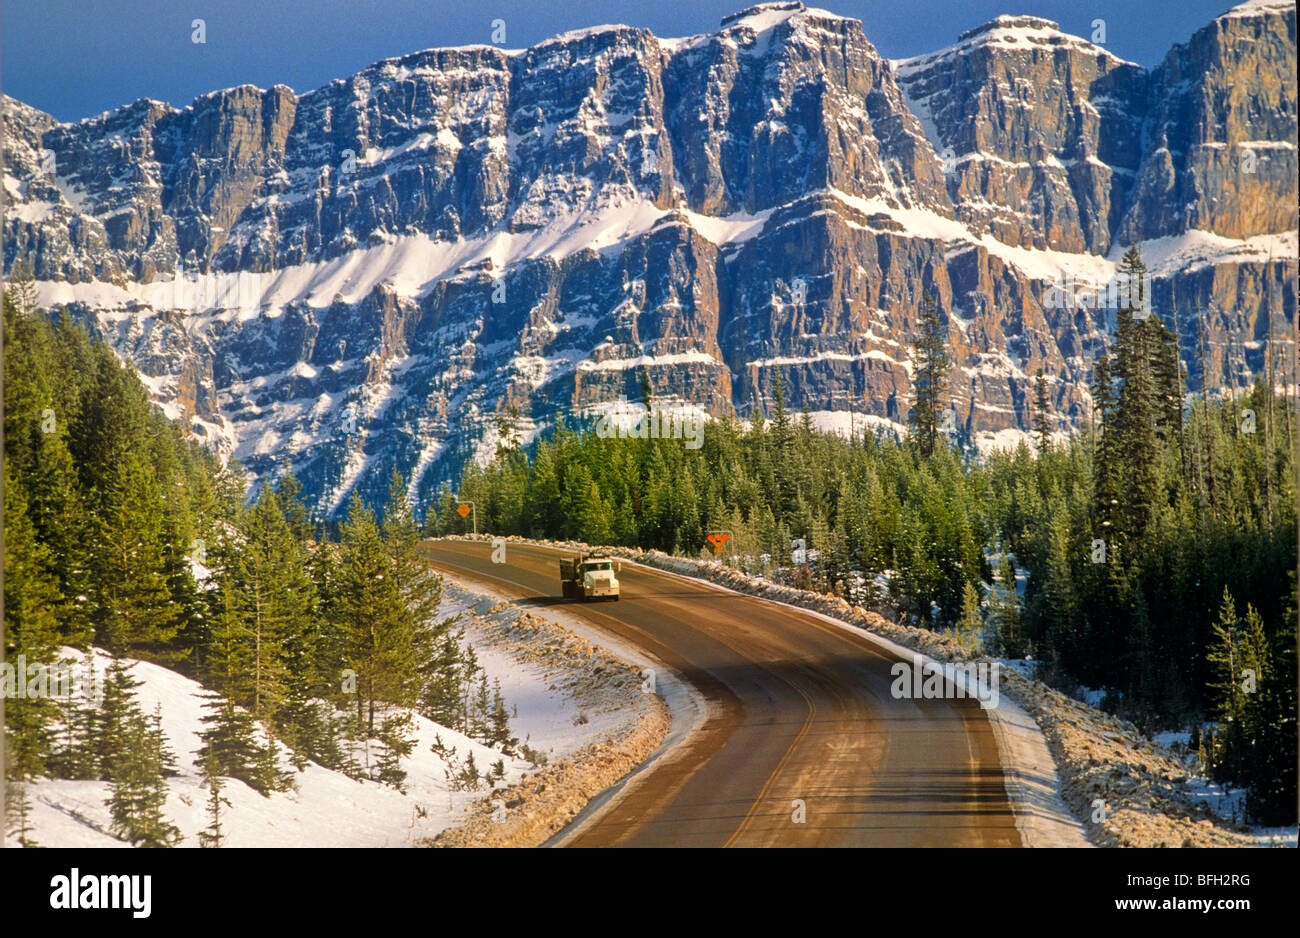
(373, 274)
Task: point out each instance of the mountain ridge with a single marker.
(547, 228)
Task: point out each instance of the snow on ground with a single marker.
(329, 809)
(846, 423)
(1230, 804)
(551, 717)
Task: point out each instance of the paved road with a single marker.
(800, 711)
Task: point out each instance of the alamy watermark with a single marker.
(1122, 290)
(24, 680)
(928, 680)
(655, 422)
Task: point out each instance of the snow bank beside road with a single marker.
(546, 677)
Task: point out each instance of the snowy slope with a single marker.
(328, 809)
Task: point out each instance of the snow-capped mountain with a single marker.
(366, 275)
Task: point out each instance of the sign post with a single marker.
(717, 539)
(465, 508)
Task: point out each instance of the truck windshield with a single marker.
(603, 565)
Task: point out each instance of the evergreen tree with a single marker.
(31, 600)
(1138, 407)
(213, 836)
(18, 813)
(231, 743)
(930, 370)
(135, 609)
(1004, 611)
(1042, 412)
(396, 733)
(499, 723)
(970, 625)
(379, 634)
(138, 785)
(113, 716)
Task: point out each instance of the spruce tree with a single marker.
(112, 718)
(135, 609)
(231, 740)
(18, 813)
(1138, 407)
(31, 602)
(1042, 413)
(138, 785)
(379, 635)
(396, 733)
(213, 835)
(970, 625)
(499, 722)
(931, 365)
(1004, 610)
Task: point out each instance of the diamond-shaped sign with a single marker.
(463, 511)
(717, 540)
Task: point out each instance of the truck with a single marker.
(590, 576)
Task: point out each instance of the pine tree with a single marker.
(1042, 413)
(499, 722)
(930, 370)
(135, 609)
(213, 835)
(18, 813)
(231, 741)
(138, 786)
(1004, 610)
(419, 586)
(1138, 408)
(469, 776)
(270, 573)
(74, 754)
(55, 508)
(113, 715)
(782, 449)
(480, 712)
(31, 601)
(970, 625)
(397, 735)
(379, 636)
(1225, 657)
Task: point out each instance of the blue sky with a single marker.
(75, 58)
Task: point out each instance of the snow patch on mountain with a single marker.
(1006, 33)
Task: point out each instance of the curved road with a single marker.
(798, 710)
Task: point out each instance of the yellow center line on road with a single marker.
(776, 773)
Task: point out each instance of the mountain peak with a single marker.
(1024, 23)
(1259, 8)
(1010, 33)
(769, 13)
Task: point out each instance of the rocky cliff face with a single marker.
(1221, 131)
(367, 275)
(1041, 132)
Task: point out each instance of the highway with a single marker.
(800, 711)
